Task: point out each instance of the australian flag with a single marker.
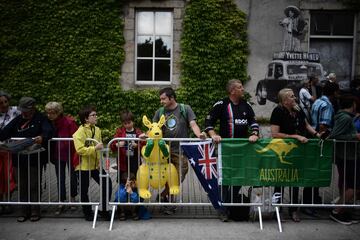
(202, 159)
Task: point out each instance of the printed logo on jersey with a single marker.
(240, 121)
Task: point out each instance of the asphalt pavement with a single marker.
(76, 228)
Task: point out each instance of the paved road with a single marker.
(170, 228)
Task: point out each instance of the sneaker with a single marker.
(355, 221)
(59, 210)
(340, 218)
(122, 216)
(135, 216)
(169, 210)
(223, 217)
(73, 207)
(310, 212)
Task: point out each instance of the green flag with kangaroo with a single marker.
(275, 162)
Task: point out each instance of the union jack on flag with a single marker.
(207, 162)
(202, 159)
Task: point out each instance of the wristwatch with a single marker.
(255, 133)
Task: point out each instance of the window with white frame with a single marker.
(154, 40)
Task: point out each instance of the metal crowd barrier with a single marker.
(74, 178)
(191, 192)
(345, 163)
(48, 191)
(36, 166)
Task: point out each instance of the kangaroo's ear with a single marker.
(146, 122)
(161, 121)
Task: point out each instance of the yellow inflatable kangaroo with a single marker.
(156, 170)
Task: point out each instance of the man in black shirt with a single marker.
(288, 121)
(236, 119)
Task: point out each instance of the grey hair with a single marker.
(231, 83)
(54, 106)
(331, 76)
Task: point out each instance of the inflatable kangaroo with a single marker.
(156, 171)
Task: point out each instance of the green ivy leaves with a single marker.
(72, 51)
(214, 50)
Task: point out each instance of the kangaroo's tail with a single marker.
(265, 149)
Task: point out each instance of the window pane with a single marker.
(320, 24)
(162, 70)
(336, 56)
(163, 23)
(297, 69)
(163, 47)
(145, 46)
(278, 70)
(144, 70)
(343, 24)
(145, 23)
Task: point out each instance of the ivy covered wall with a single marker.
(214, 50)
(72, 51)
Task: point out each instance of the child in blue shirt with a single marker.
(127, 192)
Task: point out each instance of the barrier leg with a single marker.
(278, 218)
(95, 215)
(112, 217)
(260, 218)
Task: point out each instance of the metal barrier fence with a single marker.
(35, 183)
(343, 191)
(191, 191)
(42, 176)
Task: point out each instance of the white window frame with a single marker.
(153, 58)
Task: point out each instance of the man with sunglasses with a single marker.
(35, 125)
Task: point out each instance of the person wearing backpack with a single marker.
(346, 158)
(237, 120)
(179, 119)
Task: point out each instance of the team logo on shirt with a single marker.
(240, 121)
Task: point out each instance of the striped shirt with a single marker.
(322, 112)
